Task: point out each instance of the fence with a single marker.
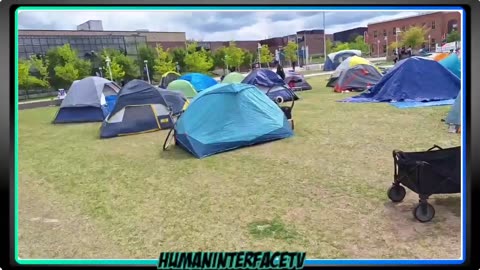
(24, 95)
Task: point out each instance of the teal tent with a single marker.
(451, 63)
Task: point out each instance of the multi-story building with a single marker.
(437, 24)
(38, 42)
(349, 35)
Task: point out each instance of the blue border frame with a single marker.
(308, 262)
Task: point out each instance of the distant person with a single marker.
(395, 58)
(293, 65)
(409, 51)
(177, 67)
(280, 71)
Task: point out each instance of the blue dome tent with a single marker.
(414, 79)
(199, 81)
(271, 84)
(335, 59)
(227, 117)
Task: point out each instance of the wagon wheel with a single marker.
(396, 193)
(424, 212)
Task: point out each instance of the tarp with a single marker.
(357, 78)
(334, 59)
(420, 104)
(233, 77)
(86, 101)
(454, 116)
(229, 116)
(167, 78)
(452, 63)
(184, 87)
(270, 83)
(199, 81)
(440, 56)
(141, 107)
(414, 79)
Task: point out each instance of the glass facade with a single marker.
(32, 45)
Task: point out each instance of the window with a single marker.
(374, 34)
(20, 41)
(37, 49)
(43, 41)
(51, 41)
(433, 24)
(35, 41)
(28, 49)
(394, 31)
(21, 49)
(384, 32)
(384, 48)
(27, 41)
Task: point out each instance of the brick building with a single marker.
(438, 24)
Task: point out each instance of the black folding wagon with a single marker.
(435, 171)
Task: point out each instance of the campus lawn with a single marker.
(322, 191)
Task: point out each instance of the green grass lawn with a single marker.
(322, 191)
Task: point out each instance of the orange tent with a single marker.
(440, 56)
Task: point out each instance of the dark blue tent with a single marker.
(227, 117)
(271, 84)
(199, 81)
(141, 107)
(415, 79)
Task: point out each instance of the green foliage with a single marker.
(248, 58)
(453, 36)
(341, 46)
(233, 55)
(163, 63)
(291, 51)
(127, 65)
(219, 58)
(329, 45)
(41, 67)
(178, 55)
(266, 57)
(23, 73)
(359, 44)
(197, 60)
(414, 37)
(147, 53)
(64, 66)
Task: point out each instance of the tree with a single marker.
(219, 58)
(23, 73)
(197, 60)
(163, 63)
(395, 45)
(233, 55)
(341, 46)
(64, 66)
(329, 45)
(178, 55)
(40, 65)
(26, 81)
(359, 44)
(266, 57)
(453, 36)
(128, 65)
(414, 37)
(290, 51)
(248, 58)
(147, 53)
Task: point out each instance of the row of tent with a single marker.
(139, 107)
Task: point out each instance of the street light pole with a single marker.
(146, 68)
(109, 68)
(259, 47)
(386, 46)
(397, 31)
(324, 40)
(429, 43)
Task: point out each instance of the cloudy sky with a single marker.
(209, 25)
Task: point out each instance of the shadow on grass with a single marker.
(175, 153)
(453, 204)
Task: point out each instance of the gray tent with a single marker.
(453, 118)
(86, 101)
(357, 78)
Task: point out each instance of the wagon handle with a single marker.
(166, 143)
(435, 147)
